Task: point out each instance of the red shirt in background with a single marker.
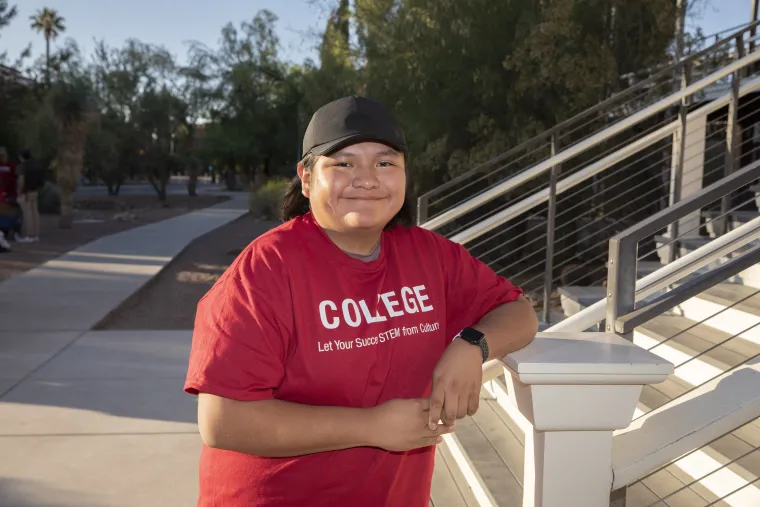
(8, 178)
(296, 319)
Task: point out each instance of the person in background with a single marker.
(337, 349)
(7, 175)
(30, 180)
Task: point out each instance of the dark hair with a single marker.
(26, 154)
(295, 204)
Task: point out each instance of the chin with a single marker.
(365, 221)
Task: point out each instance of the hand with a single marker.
(457, 380)
(401, 425)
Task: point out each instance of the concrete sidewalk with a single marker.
(98, 418)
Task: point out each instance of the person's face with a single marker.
(360, 187)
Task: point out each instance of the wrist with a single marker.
(476, 340)
(364, 427)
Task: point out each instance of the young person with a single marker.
(337, 349)
(30, 180)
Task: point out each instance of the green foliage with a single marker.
(265, 203)
(468, 79)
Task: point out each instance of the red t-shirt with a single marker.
(8, 179)
(296, 319)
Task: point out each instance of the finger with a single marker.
(444, 430)
(450, 408)
(426, 442)
(473, 404)
(464, 402)
(436, 405)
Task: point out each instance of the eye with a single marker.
(342, 164)
(385, 163)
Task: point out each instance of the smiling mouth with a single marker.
(364, 198)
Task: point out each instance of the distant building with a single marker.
(9, 75)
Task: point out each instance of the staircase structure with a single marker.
(634, 228)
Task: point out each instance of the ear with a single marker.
(305, 180)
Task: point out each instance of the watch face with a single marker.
(471, 335)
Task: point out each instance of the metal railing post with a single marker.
(677, 176)
(422, 209)
(732, 134)
(621, 282)
(550, 231)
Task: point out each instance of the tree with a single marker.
(51, 25)
(72, 107)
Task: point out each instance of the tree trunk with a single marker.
(47, 59)
(66, 220)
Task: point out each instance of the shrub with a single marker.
(49, 199)
(266, 201)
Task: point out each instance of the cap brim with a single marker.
(333, 146)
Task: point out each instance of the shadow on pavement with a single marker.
(26, 493)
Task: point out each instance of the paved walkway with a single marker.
(98, 419)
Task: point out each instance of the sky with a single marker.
(172, 23)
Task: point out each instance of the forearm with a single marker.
(508, 327)
(275, 428)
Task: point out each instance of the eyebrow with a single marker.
(384, 153)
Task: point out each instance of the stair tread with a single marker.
(731, 294)
(509, 447)
(449, 487)
(478, 440)
(719, 348)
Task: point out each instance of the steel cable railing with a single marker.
(642, 196)
(544, 147)
(624, 102)
(508, 228)
(566, 171)
(644, 256)
(597, 233)
(664, 501)
(573, 195)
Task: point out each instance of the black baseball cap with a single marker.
(351, 120)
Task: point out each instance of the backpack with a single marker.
(34, 176)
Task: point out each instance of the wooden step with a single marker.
(450, 488)
(730, 308)
(714, 226)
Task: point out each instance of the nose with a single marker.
(365, 177)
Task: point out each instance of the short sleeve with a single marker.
(240, 342)
(472, 288)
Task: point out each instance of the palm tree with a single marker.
(51, 25)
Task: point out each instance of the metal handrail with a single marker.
(543, 167)
(668, 274)
(625, 324)
(546, 135)
(621, 280)
(571, 181)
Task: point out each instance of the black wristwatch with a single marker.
(476, 338)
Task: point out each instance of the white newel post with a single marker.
(576, 389)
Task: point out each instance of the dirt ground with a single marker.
(95, 217)
(170, 299)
